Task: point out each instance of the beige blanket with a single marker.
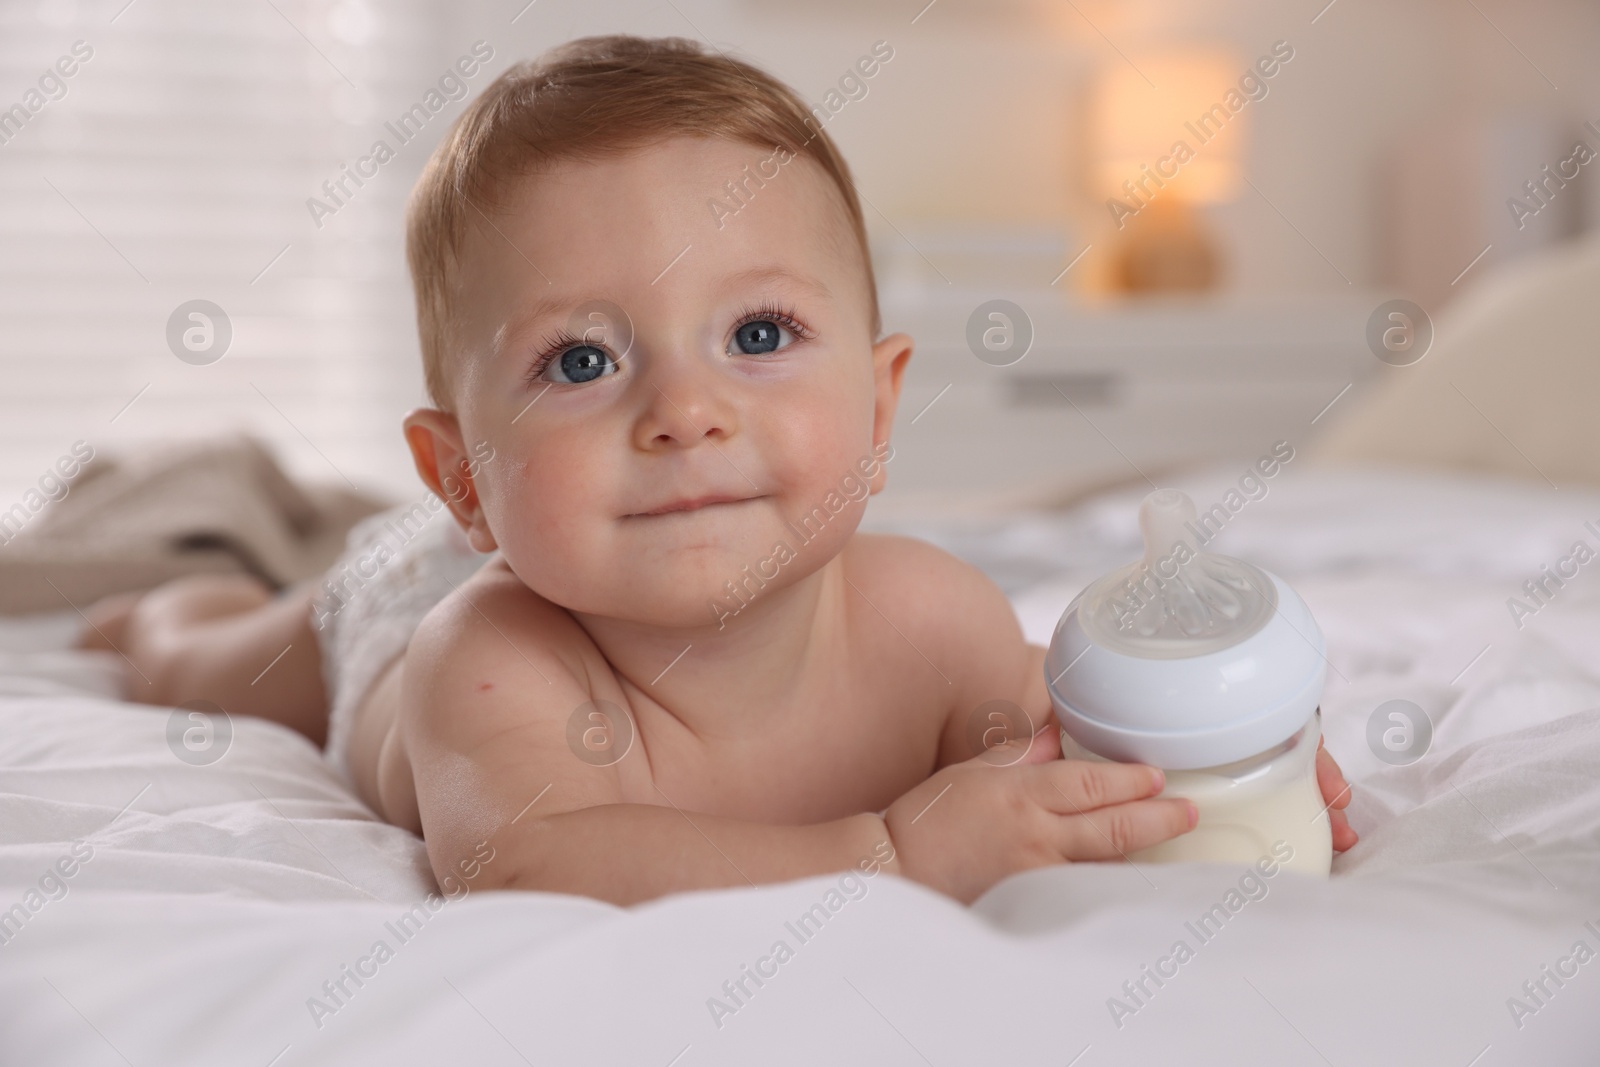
(136, 519)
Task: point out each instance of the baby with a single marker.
(667, 661)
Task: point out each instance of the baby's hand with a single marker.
(1335, 794)
(974, 823)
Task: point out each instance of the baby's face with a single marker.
(633, 478)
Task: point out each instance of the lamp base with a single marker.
(1165, 248)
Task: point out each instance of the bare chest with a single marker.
(846, 744)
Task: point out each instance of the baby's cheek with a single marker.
(548, 516)
(536, 502)
(822, 446)
(546, 546)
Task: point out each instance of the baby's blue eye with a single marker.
(579, 364)
(758, 337)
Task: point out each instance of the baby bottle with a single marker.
(1211, 669)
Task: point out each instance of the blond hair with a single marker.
(586, 99)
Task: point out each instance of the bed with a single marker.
(230, 912)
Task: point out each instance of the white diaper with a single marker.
(396, 566)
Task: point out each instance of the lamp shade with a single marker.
(1168, 113)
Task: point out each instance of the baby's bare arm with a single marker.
(490, 686)
(627, 853)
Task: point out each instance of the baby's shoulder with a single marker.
(952, 603)
(957, 619)
(896, 557)
(492, 619)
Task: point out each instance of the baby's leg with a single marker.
(221, 638)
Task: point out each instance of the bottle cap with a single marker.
(1184, 658)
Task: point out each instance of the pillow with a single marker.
(1510, 387)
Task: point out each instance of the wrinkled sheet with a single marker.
(218, 900)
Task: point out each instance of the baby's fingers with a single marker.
(1072, 787)
(1335, 791)
(1111, 833)
(1344, 835)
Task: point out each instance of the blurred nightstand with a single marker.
(1107, 392)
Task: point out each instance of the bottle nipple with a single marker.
(1177, 600)
(1162, 519)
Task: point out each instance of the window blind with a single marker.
(175, 164)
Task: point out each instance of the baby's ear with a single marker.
(889, 359)
(443, 463)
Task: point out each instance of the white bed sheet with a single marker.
(219, 899)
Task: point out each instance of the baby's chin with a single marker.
(682, 571)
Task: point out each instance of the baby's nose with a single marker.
(683, 409)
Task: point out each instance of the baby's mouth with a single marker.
(686, 504)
